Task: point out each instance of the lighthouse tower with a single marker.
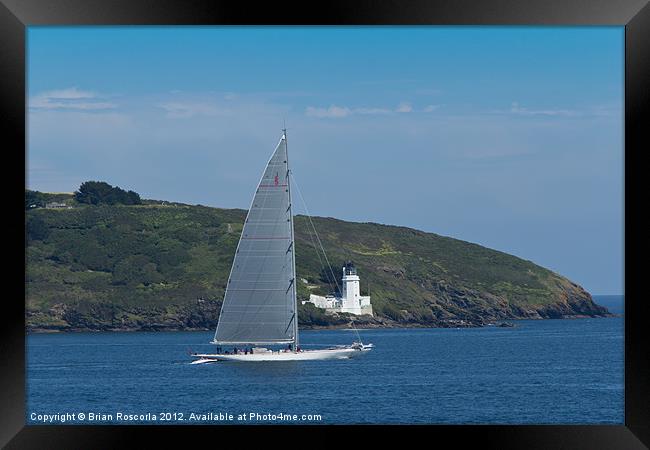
(350, 300)
(351, 295)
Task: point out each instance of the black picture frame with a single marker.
(16, 15)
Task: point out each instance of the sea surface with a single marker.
(540, 371)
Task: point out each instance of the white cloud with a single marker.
(71, 99)
(404, 107)
(610, 110)
(177, 110)
(371, 111)
(430, 108)
(333, 111)
(516, 109)
(70, 93)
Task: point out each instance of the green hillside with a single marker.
(161, 265)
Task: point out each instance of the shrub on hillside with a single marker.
(99, 192)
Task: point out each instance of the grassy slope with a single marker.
(164, 266)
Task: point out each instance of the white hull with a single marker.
(303, 355)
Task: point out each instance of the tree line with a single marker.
(99, 192)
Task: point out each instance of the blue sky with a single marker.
(509, 137)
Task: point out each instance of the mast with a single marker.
(293, 250)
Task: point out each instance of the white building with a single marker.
(57, 205)
(350, 300)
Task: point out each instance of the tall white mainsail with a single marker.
(260, 305)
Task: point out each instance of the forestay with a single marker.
(260, 302)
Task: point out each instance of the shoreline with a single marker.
(314, 328)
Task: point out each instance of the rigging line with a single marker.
(293, 316)
(320, 260)
(330, 278)
(355, 330)
(315, 232)
(313, 243)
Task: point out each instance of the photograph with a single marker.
(324, 225)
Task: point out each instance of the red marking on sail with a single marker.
(275, 180)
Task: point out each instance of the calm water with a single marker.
(553, 371)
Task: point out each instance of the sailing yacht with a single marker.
(260, 305)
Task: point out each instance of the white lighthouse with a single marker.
(351, 295)
(350, 300)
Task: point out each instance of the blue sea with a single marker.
(540, 371)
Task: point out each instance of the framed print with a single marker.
(350, 217)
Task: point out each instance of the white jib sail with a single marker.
(260, 300)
